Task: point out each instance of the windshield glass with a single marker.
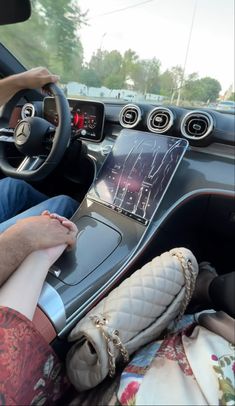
(173, 51)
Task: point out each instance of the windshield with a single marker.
(164, 52)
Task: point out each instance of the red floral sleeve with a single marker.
(30, 372)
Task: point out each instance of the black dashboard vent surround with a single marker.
(197, 125)
(130, 116)
(160, 120)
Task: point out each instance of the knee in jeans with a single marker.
(16, 183)
(65, 201)
(62, 198)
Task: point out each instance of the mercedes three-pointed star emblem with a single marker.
(22, 133)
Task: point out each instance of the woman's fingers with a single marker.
(72, 228)
(45, 213)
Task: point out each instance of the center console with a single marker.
(112, 220)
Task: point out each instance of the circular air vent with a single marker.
(160, 120)
(28, 110)
(197, 125)
(130, 115)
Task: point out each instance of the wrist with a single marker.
(40, 257)
(17, 82)
(25, 241)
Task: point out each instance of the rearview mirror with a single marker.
(14, 11)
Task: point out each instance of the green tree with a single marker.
(130, 59)
(62, 19)
(25, 39)
(96, 65)
(210, 89)
(146, 75)
(205, 89)
(49, 37)
(108, 67)
(166, 83)
(89, 77)
(113, 69)
(177, 78)
(192, 88)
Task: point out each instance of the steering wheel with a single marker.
(30, 136)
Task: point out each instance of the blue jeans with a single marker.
(17, 196)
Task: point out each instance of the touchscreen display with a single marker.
(137, 172)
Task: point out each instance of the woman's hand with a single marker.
(40, 232)
(72, 228)
(37, 233)
(53, 253)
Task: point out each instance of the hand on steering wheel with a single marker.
(29, 138)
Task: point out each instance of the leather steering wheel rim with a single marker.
(60, 143)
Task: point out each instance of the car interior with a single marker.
(148, 177)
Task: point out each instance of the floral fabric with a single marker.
(30, 372)
(192, 366)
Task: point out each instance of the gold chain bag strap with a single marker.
(190, 276)
(133, 314)
(112, 340)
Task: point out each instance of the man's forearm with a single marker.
(31, 79)
(13, 250)
(8, 87)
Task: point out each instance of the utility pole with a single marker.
(101, 41)
(187, 52)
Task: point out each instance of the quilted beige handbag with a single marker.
(133, 314)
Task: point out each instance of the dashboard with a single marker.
(87, 117)
(147, 163)
(94, 121)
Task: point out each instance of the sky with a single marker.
(161, 29)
